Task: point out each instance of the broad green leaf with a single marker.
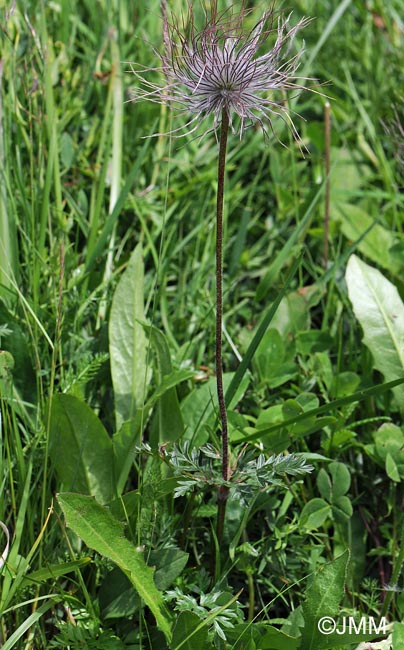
(169, 564)
(398, 635)
(295, 407)
(313, 341)
(275, 639)
(342, 509)
(378, 241)
(392, 469)
(322, 598)
(186, 635)
(125, 506)
(127, 341)
(66, 150)
(324, 485)
(245, 636)
(273, 361)
(380, 311)
(293, 314)
(350, 640)
(80, 449)
(116, 596)
(276, 442)
(100, 531)
(349, 172)
(314, 513)
(168, 424)
(341, 478)
(344, 383)
(269, 416)
(389, 439)
(271, 349)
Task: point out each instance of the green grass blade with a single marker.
(325, 408)
(112, 218)
(28, 623)
(268, 316)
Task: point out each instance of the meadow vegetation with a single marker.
(110, 448)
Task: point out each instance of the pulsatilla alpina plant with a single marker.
(223, 71)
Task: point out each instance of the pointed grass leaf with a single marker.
(29, 622)
(380, 311)
(100, 531)
(322, 598)
(261, 329)
(102, 241)
(128, 342)
(325, 408)
(53, 571)
(80, 449)
(291, 247)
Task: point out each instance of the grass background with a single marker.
(81, 185)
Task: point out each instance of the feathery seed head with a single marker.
(221, 68)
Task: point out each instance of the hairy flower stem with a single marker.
(223, 490)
